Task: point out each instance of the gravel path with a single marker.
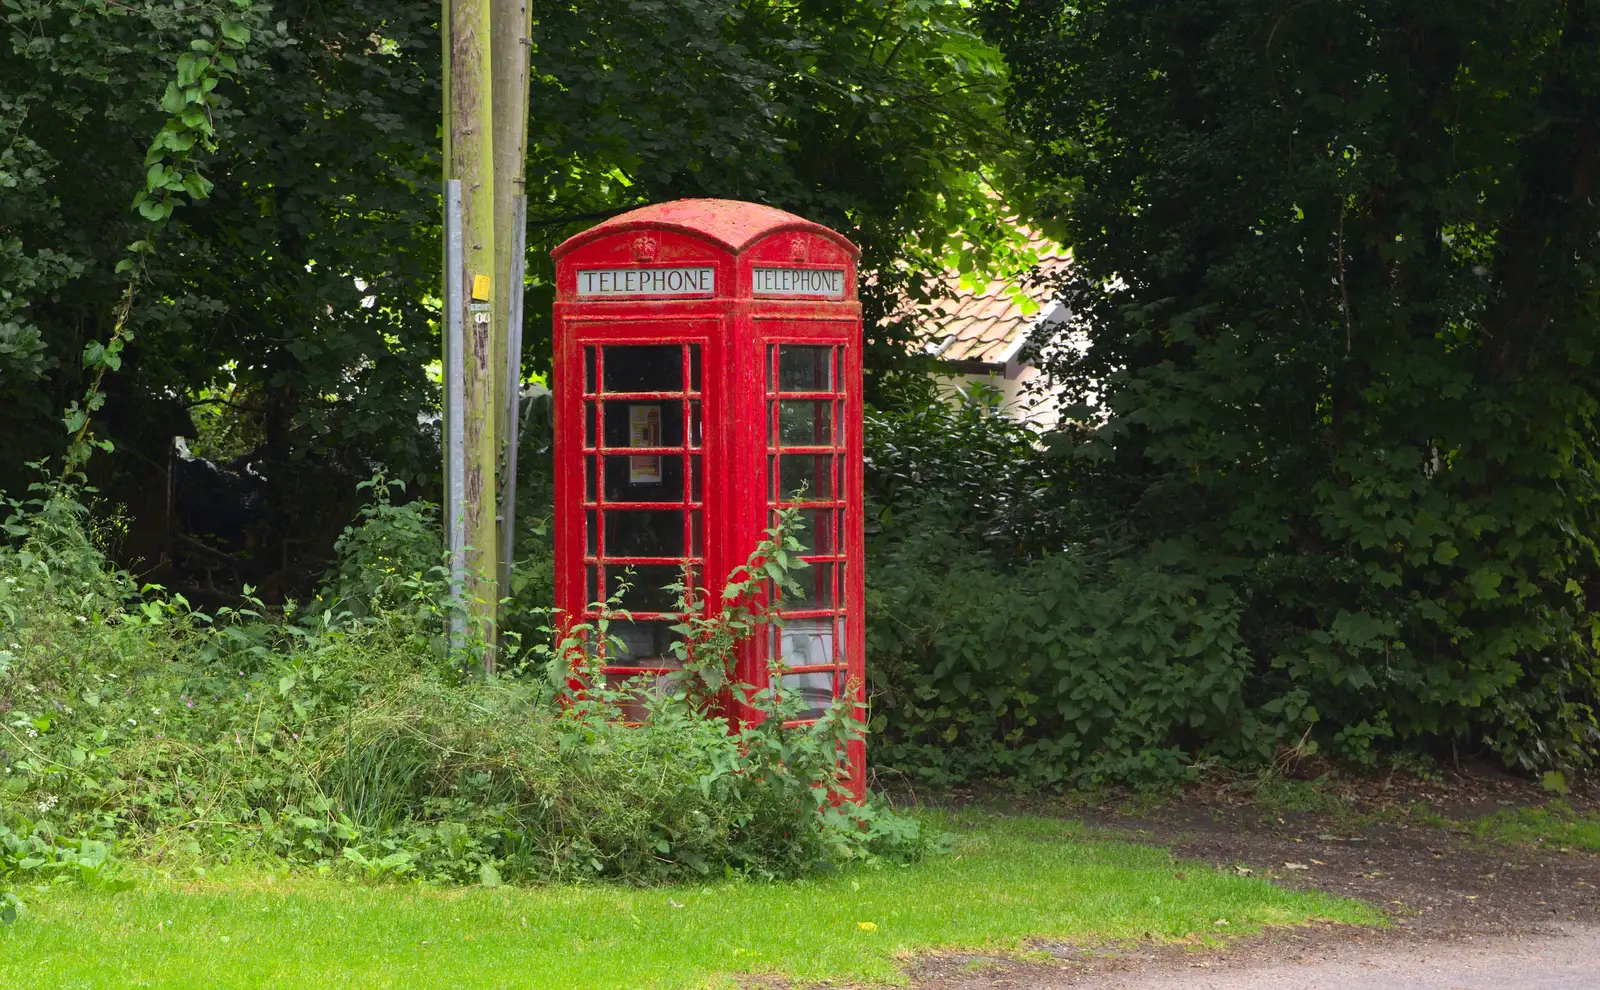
(1568, 961)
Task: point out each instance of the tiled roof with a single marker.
(988, 323)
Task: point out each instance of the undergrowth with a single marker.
(1557, 825)
(347, 737)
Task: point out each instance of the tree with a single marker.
(882, 119)
(1336, 264)
(296, 309)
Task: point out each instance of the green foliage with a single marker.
(387, 556)
(879, 118)
(1275, 794)
(298, 297)
(964, 466)
(62, 54)
(351, 742)
(1058, 672)
(1335, 264)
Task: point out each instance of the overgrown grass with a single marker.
(1004, 881)
(1556, 825)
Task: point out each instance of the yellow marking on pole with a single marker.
(480, 288)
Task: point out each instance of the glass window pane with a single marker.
(695, 494)
(591, 532)
(644, 369)
(642, 643)
(694, 367)
(637, 691)
(588, 424)
(649, 586)
(696, 427)
(805, 642)
(588, 369)
(696, 537)
(805, 424)
(772, 352)
(644, 478)
(591, 585)
(806, 477)
(816, 589)
(813, 690)
(644, 424)
(588, 479)
(644, 533)
(801, 369)
(816, 534)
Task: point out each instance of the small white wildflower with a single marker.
(33, 733)
(46, 803)
(81, 618)
(132, 722)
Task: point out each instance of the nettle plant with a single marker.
(705, 650)
(797, 764)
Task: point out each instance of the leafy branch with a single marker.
(172, 173)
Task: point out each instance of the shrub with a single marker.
(382, 552)
(352, 741)
(1059, 672)
(1027, 622)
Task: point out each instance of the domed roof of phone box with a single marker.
(732, 224)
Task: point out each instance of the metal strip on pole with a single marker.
(455, 400)
(508, 512)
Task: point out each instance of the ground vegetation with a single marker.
(1011, 887)
(346, 736)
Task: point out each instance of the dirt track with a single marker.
(1466, 914)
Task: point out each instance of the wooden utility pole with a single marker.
(469, 159)
(513, 27)
(486, 79)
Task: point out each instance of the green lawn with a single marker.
(1006, 879)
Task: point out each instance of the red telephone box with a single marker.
(708, 372)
